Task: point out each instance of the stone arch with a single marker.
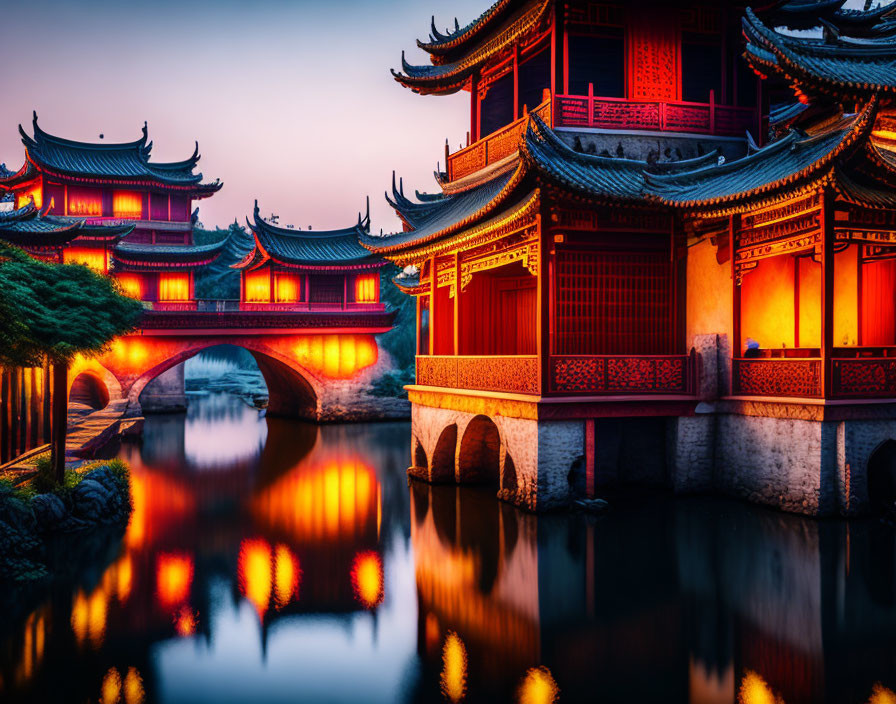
(882, 476)
(90, 389)
(509, 479)
(420, 461)
(443, 457)
(293, 391)
(479, 455)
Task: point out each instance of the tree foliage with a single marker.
(56, 311)
(401, 341)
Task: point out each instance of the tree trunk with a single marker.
(60, 418)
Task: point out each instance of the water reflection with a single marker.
(306, 568)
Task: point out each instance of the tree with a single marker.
(54, 312)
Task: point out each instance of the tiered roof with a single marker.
(127, 163)
(309, 249)
(148, 257)
(854, 59)
(31, 228)
(842, 151)
(457, 56)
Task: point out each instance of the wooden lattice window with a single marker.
(610, 302)
(327, 289)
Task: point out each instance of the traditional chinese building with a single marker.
(598, 255)
(290, 269)
(110, 189)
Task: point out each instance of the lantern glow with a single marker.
(367, 579)
(258, 286)
(131, 285)
(286, 288)
(174, 577)
(127, 204)
(174, 287)
(254, 566)
(95, 257)
(367, 288)
(24, 197)
(84, 201)
(336, 356)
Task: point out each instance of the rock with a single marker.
(16, 513)
(590, 505)
(93, 502)
(49, 512)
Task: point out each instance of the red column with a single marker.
(589, 459)
(827, 290)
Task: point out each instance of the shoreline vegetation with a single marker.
(41, 519)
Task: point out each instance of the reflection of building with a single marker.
(607, 216)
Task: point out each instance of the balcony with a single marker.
(611, 375)
(621, 114)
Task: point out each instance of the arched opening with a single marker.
(882, 477)
(88, 393)
(508, 475)
(420, 455)
(443, 455)
(289, 394)
(479, 456)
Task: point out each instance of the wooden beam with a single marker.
(457, 302)
(542, 306)
(827, 289)
(433, 288)
(736, 346)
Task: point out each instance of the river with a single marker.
(274, 561)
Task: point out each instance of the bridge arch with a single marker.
(443, 457)
(293, 390)
(90, 389)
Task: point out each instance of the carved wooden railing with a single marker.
(510, 374)
(777, 377)
(493, 148)
(622, 114)
(864, 377)
(623, 374)
(377, 321)
(173, 305)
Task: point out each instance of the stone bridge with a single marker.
(317, 366)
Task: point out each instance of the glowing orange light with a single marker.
(174, 576)
(254, 568)
(127, 204)
(454, 668)
(131, 285)
(367, 288)
(84, 201)
(286, 288)
(286, 575)
(327, 502)
(882, 695)
(24, 197)
(337, 356)
(185, 622)
(258, 286)
(95, 257)
(174, 287)
(755, 690)
(367, 578)
(111, 689)
(134, 693)
(124, 576)
(538, 687)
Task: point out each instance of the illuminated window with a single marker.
(24, 197)
(286, 288)
(127, 204)
(258, 286)
(131, 285)
(85, 201)
(367, 288)
(94, 257)
(174, 287)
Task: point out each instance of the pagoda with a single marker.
(290, 269)
(134, 215)
(647, 265)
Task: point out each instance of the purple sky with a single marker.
(292, 102)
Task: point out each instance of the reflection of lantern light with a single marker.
(755, 690)
(255, 573)
(123, 578)
(538, 687)
(882, 695)
(454, 668)
(174, 575)
(133, 687)
(111, 690)
(286, 575)
(367, 578)
(185, 622)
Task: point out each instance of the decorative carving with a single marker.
(654, 57)
(864, 377)
(502, 374)
(612, 219)
(611, 114)
(525, 252)
(198, 320)
(777, 377)
(687, 118)
(616, 374)
(585, 17)
(781, 211)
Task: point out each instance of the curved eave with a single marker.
(451, 77)
(24, 175)
(365, 264)
(411, 286)
(160, 256)
(817, 171)
(440, 44)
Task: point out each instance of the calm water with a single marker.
(272, 561)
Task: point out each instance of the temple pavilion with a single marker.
(131, 216)
(666, 254)
(294, 269)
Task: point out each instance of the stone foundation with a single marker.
(165, 393)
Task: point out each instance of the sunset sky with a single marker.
(291, 102)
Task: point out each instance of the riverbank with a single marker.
(36, 513)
